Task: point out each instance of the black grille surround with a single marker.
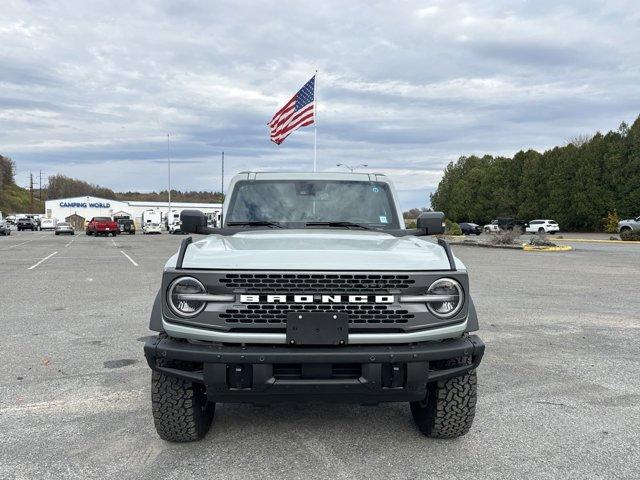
(272, 317)
(316, 283)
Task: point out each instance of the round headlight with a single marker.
(179, 293)
(448, 288)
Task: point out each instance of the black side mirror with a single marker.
(432, 223)
(193, 221)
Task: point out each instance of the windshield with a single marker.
(297, 202)
(102, 219)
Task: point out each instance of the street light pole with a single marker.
(351, 169)
(222, 187)
(169, 177)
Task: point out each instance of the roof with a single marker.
(353, 176)
(136, 203)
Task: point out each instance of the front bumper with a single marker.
(354, 373)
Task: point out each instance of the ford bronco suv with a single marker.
(312, 289)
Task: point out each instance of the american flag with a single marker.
(298, 112)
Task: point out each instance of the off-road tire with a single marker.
(181, 412)
(450, 405)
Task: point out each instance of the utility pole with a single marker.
(40, 187)
(31, 192)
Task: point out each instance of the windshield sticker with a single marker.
(383, 219)
(375, 189)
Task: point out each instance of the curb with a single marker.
(532, 248)
(587, 240)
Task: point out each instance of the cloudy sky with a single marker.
(91, 89)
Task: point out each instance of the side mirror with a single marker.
(193, 221)
(432, 223)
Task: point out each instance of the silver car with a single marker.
(64, 228)
(629, 224)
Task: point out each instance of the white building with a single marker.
(88, 207)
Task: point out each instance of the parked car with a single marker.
(5, 229)
(470, 228)
(151, 228)
(48, 224)
(511, 223)
(102, 226)
(26, 224)
(543, 226)
(64, 228)
(491, 227)
(629, 224)
(126, 225)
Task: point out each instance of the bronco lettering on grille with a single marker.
(315, 298)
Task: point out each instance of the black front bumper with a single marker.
(355, 373)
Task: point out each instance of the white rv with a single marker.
(151, 221)
(173, 221)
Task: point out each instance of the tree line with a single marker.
(577, 184)
(61, 186)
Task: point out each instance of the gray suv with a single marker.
(312, 289)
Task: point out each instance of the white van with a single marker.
(48, 223)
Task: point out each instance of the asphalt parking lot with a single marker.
(559, 389)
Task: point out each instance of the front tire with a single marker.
(541, 230)
(450, 405)
(181, 412)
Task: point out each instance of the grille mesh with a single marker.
(277, 313)
(316, 283)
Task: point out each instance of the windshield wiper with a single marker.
(255, 223)
(338, 224)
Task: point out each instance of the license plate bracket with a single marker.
(317, 328)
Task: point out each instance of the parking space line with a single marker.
(130, 259)
(45, 258)
(18, 244)
(70, 243)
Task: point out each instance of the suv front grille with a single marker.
(315, 283)
(277, 313)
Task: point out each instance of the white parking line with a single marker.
(18, 244)
(45, 258)
(70, 243)
(130, 259)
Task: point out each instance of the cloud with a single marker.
(90, 89)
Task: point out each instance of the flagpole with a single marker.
(315, 123)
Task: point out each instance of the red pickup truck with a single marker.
(102, 226)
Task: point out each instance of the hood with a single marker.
(339, 250)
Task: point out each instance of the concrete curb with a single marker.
(533, 248)
(593, 240)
